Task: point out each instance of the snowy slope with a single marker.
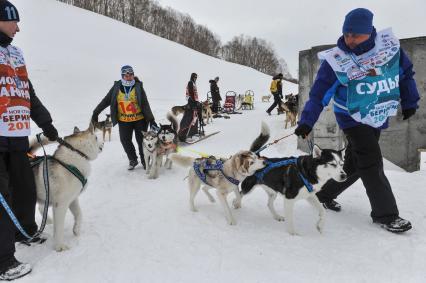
(140, 230)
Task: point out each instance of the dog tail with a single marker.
(35, 145)
(262, 138)
(248, 184)
(172, 118)
(184, 161)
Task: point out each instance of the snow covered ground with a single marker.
(140, 230)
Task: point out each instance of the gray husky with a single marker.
(151, 154)
(76, 150)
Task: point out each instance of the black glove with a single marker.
(50, 132)
(407, 113)
(302, 130)
(94, 118)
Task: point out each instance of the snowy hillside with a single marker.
(140, 230)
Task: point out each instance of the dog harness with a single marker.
(206, 166)
(166, 146)
(271, 165)
(72, 169)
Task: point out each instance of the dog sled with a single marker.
(191, 129)
(248, 100)
(229, 106)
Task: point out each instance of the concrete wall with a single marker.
(401, 141)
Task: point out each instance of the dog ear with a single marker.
(144, 133)
(76, 130)
(316, 151)
(91, 127)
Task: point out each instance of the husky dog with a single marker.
(177, 110)
(105, 127)
(317, 169)
(266, 98)
(290, 109)
(76, 150)
(234, 170)
(150, 150)
(168, 139)
(207, 112)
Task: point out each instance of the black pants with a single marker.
(216, 106)
(277, 101)
(17, 186)
(363, 159)
(126, 130)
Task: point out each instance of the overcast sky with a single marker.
(297, 25)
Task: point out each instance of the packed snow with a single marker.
(140, 230)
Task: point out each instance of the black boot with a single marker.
(398, 225)
(14, 270)
(132, 164)
(332, 205)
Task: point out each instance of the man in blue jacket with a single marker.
(367, 75)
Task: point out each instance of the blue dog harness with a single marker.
(206, 166)
(271, 165)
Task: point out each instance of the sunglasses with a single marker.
(127, 74)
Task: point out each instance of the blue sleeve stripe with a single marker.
(329, 93)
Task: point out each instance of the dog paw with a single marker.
(279, 218)
(193, 209)
(293, 233)
(232, 222)
(236, 203)
(320, 226)
(61, 247)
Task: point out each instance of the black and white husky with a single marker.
(300, 178)
(168, 139)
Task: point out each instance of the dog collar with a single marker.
(67, 145)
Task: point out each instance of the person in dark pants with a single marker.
(192, 97)
(17, 184)
(276, 89)
(130, 109)
(367, 75)
(214, 90)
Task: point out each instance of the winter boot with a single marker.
(132, 164)
(398, 225)
(15, 270)
(19, 238)
(332, 205)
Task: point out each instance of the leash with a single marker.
(202, 154)
(271, 143)
(271, 165)
(46, 202)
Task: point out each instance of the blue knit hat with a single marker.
(126, 69)
(358, 21)
(8, 12)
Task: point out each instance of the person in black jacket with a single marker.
(214, 90)
(18, 103)
(130, 109)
